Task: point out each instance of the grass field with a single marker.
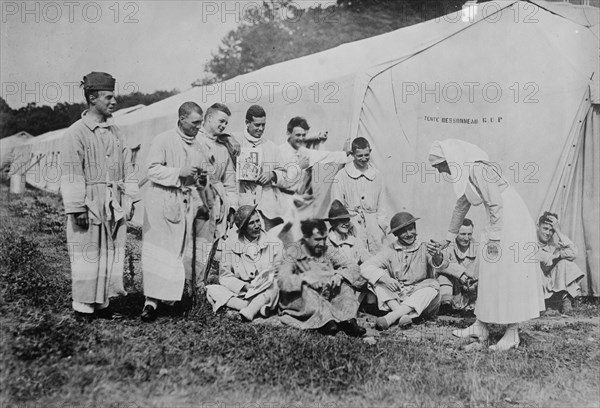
(48, 359)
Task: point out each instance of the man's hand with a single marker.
(347, 147)
(433, 247)
(463, 279)
(493, 248)
(391, 283)
(317, 285)
(555, 225)
(81, 220)
(323, 135)
(188, 171)
(264, 178)
(335, 281)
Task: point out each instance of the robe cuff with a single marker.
(75, 209)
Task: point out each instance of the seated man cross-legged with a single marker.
(247, 268)
(317, 285)
(402, 275)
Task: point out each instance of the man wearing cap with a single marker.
(247, 269)
(556, 253)
(341, 234)
(171, 201)
(264, 191)
(458, 282)
(98, 194)
(316, 285)
(359, 187)
(402, 276)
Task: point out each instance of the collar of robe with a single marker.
(411, 248)
(92, 124)
(255, 141)
(187, 139)
(355, 173)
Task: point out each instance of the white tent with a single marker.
(7, 146)
(518, 78)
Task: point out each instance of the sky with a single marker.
(46, 47)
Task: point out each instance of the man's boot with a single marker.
(351, 328)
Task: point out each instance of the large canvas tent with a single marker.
(7, 147)
(520, 79)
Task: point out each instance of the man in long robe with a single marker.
(264, 190)
(171, 203)
(359, 187)
(97, 190)
(316, 285)
(218, 164)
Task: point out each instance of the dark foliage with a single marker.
(279, 31)
(37, 120)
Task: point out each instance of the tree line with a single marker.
(38, 119)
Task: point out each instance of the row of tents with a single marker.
(517, 78)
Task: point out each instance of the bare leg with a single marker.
(509, 340)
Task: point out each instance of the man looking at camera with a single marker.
(402, 276)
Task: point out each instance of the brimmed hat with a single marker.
(400, 220)
(337, 211)
(98, 81)
(242, 215)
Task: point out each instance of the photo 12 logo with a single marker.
(29, 12)
(49, 93)
(254, 92)
(252, 12)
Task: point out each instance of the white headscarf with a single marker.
(459, 155)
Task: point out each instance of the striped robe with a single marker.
(95, 179)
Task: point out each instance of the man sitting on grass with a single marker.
(247, 268)
(458, 282)
(316, 284)
(556, 253)
(402, 275)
